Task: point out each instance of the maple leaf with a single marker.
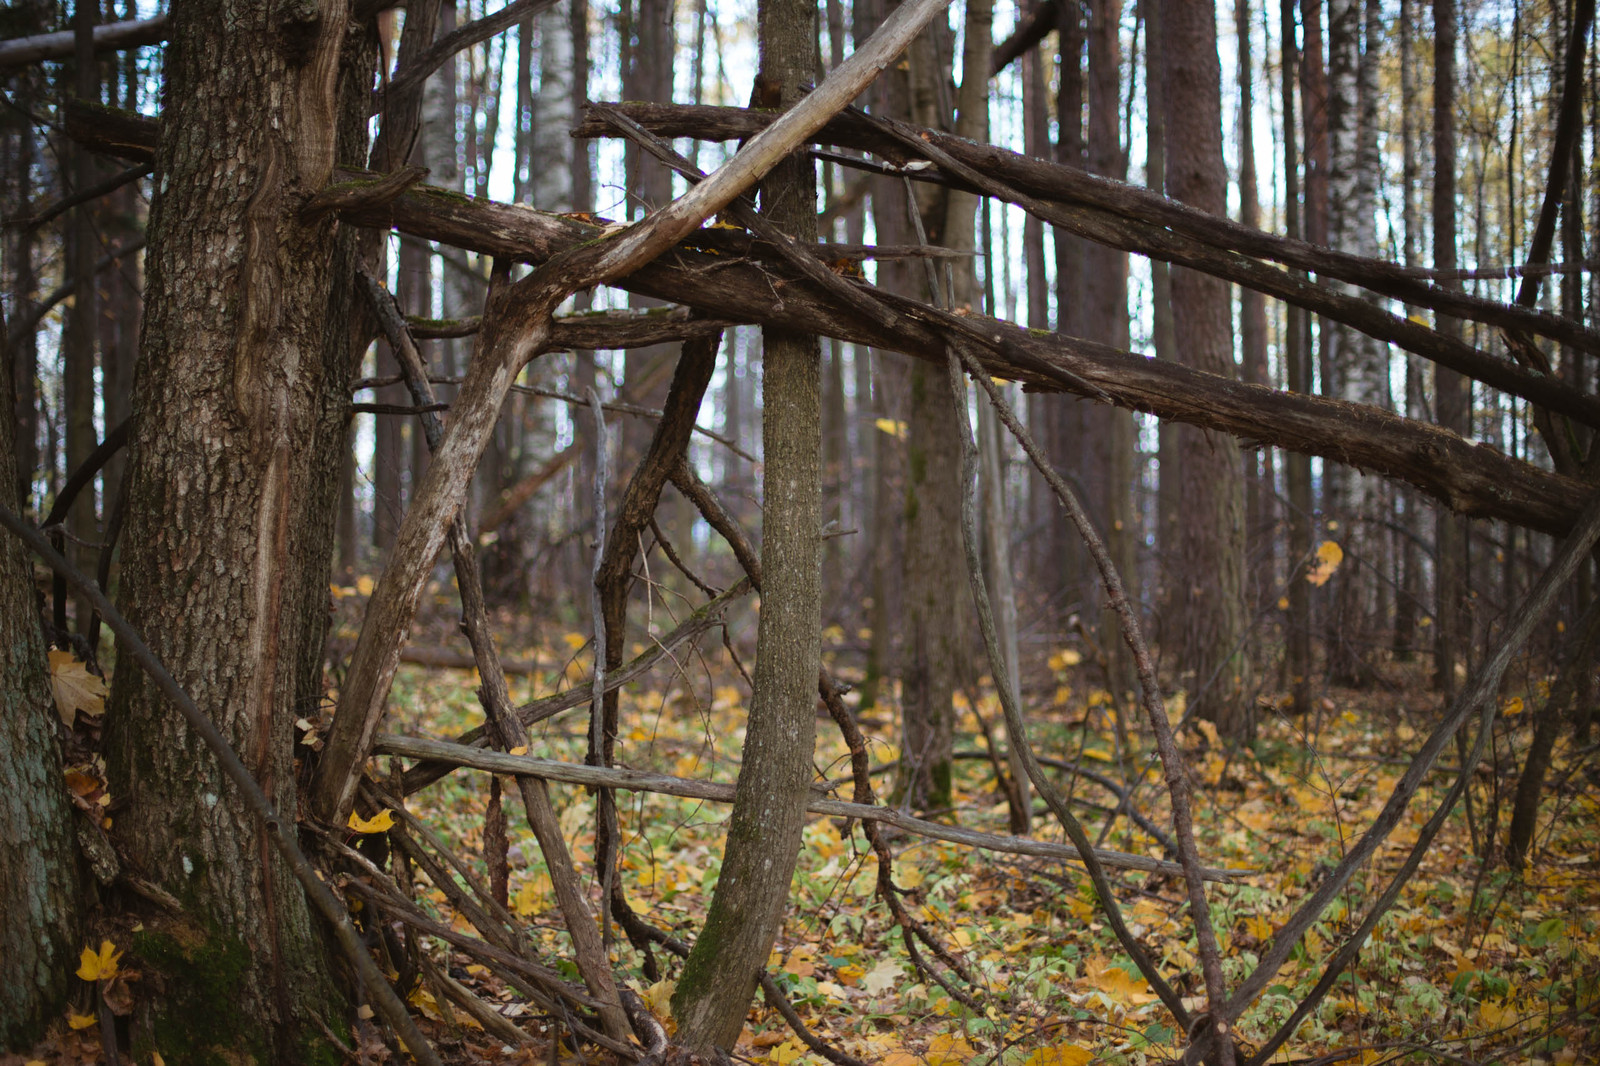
(1113, 981)
(74, 687)
(378, 823)
(98, 966)
(881, 977)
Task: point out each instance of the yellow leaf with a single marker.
(574, 640)
(1283, 603)
(1329, 556)
(787, 1052)
(520, 749)
(97, 966)
(79, 1021)
(946, 1049)
(1115, 983)
(802, 961)
(1258, 927)
(1512, 707)
(156, 1059)
(659, 998)
(378, 823)
(1059, 1055)
(364, 585)
(900, 1058)
(892, 426)
(1064, 658)
(74, 687)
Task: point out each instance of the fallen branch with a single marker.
(1472, 479)
(108, 37)
(444, 753)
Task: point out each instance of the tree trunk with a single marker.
(1111, 435)
(81, 329)
(40, 923)
(1358, 363)
(1297, 359)
(1451, 399)
(233, 472)
(1261, 536)
(719, 978)
(1169, 457)
(1210, 592)
(936, 655)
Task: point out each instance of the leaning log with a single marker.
(1475, 480)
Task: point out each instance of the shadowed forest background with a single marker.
(876, 532)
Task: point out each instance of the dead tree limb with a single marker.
(1472, 479)
(495, 695)
(1069, 185)
(443, 752)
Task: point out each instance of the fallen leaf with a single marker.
(882, 977)
(98, 966)
(378, 823)
(947, 1049)
(74, 687)
(79, 1021)
(1059, 1055)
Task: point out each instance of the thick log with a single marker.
(1069, 185)
(108, 37)
(1472, 479)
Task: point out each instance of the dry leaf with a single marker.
(98, 966)
(378, 823)
(74, 687)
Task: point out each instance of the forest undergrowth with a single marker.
(1476, 963)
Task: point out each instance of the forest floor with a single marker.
(1475, 963)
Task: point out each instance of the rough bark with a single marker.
(719, 977)
(241, 393)
(40, 920)
(1209, 601)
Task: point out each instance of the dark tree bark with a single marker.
(41, 918)
(241, 396)
(719, 978)
(81, 330)
(1297, 359)
(1111, 435)
(1452, 396)
(1209, 599)
(1260, 521)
